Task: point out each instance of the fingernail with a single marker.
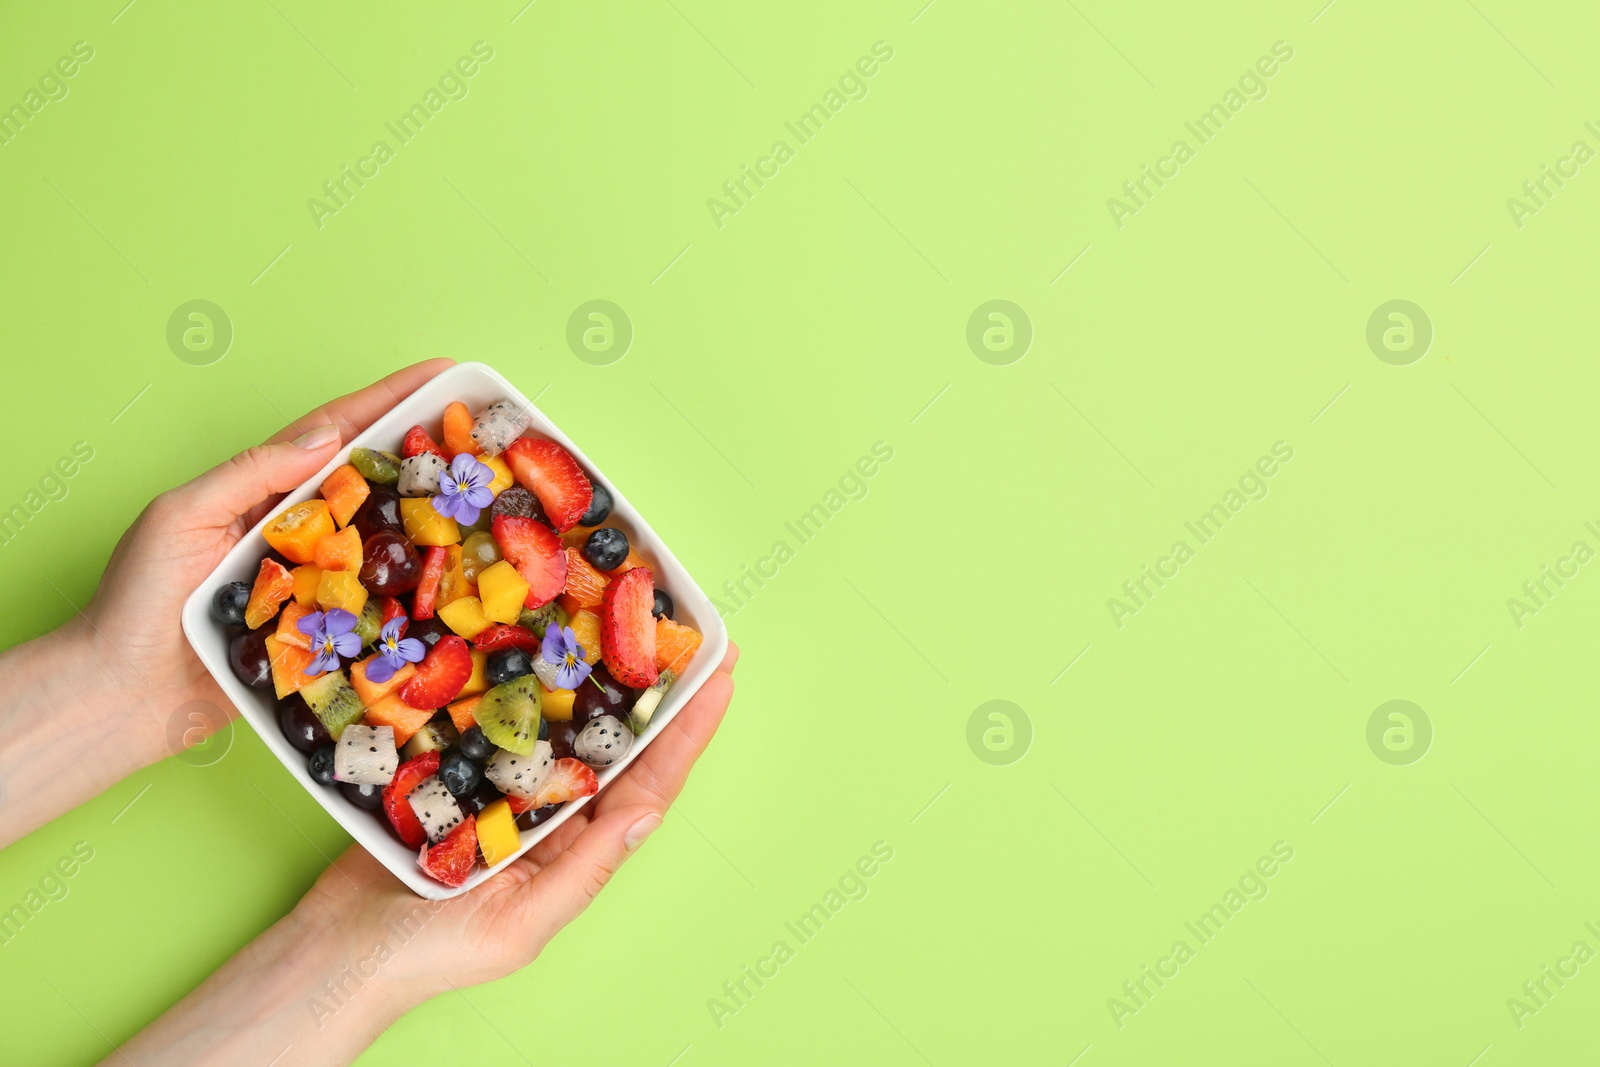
(321, 437)
(641, 830)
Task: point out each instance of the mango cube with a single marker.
(341, 589)
(497, 833)
(556, 704)
(306, 577)
(478, 682)
(503, 478)
(425, 526)
(502, 590)
(464, 616)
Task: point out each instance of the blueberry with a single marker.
(428, 631)
(529, 819)
(363, 796)
(228, 605)
(544, 730)
(506, 664)
(459, 774)
(599, 507)
(475, 746)
(480, 798)
(606, 548)
(321, 765)
(662, 608)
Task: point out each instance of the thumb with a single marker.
(232, 489)
(565, 886)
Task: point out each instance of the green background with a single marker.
(1229, 713)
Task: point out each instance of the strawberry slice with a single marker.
(551, 474)
(417, 442)
(411, 774)
(433, 560)
(628, 630)
(441, 675)
(569, 779)
(451, 860)
(500, 635)
(392, 610)
(537, 554)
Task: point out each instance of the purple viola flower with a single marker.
(464, 490)
(331, 636)
(394, 652)
(561, 649)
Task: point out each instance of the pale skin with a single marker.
(274, 994)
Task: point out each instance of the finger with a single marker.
(729, 660)
(656, 777)
(223, 493)
(356, 411)
(560, 892)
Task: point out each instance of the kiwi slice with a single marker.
(536, 619)
(369, 622)
(438, 734)
(376, 465)
(508, 714)
(334, 702)
(645, 707)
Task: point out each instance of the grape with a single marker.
(380, 511)
(301, 725)
(478, 553)
(247, 655)
(389, 565)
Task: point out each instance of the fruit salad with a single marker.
(456, 638)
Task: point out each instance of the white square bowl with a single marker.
(476, 385)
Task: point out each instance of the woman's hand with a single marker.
(360, 949)
(126, 650)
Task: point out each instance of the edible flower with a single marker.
(464, 490)
(394, 652)
(332, 635)
(561, 648)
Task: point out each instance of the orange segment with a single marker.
(586, 628)
(585, 585)
(345, 490)
(339, 551)
(676, 645)
(458, 430)
(272, 587)
(295, 531)
(633, 560)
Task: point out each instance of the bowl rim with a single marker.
(259, 706)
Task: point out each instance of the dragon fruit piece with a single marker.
(498, 425)
(521, 776)
(435, 807)
(546, 672)
(419, 474)
(603, 742)
(365, 755)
